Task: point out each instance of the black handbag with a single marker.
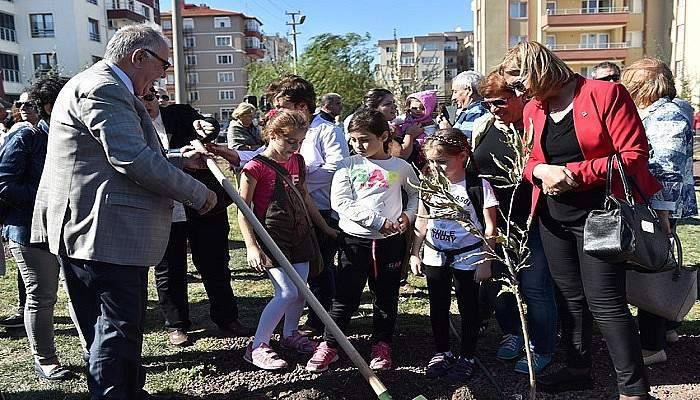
(625, 231)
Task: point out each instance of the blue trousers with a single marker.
(537, 288)
(110, 305)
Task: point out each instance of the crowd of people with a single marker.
(91, 167)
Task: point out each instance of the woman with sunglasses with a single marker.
(504, 121)
(578, 123)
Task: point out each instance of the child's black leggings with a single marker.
(373, 261)
(440, 281)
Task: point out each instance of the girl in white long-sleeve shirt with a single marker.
(366, 193)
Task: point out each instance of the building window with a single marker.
(551, 42)
(7, 27)
(92, 1)
(595, 41)
(191, 59)
(194, 95)
(224, 59)
(44, 62)
(225, 77)
(190, 42)
(390, 49)
(430, 87)
(678, 69)
(223, 41)
(222, 22)
(227, 95)
(252, 25)
(252, 43)
(515, 39)
(94, 29)
(449, 60)
(9, 65)
(451, 46)
(192, 77)
(188, 23)
(170, 79)
(430, 60)
(407, 47)
(226, 113)
(450, 73)
(407, 60)
(167, 24)
(41, 25)
(585, 72)
(429, 46)
(518, 9)
(146, 12)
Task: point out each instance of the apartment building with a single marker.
(277, 48)
(218, 45)
(127, 12)
(581, 32)
(436, 57)
(39, 35)
(685, 59)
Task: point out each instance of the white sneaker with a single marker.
(654, 357)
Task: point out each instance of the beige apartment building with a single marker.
(439, 57)
(218, 45)
(685, 57)
(277, 48)
(581, 32)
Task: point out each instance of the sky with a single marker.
(379, 18)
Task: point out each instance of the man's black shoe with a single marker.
(564, 381)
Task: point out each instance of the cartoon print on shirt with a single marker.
(376, 178)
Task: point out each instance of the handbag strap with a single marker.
(284, 174)
(623, 177)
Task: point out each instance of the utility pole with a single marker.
(178, 53)
(294, 33)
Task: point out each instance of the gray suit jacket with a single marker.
(105, 193)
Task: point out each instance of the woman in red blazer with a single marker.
(577, 124)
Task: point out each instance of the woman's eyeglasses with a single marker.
(25, 104)
(498, 103)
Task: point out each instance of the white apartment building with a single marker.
(38, 35)
(127, 12)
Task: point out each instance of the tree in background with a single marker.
(332, 63)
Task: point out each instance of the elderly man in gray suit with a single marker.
(104, 203)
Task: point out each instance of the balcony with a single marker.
(8, 34)
(255, 52)
(591, 52)
(568, 19)
(125, 14)
(10, 75)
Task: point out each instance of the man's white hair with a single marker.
(330, 98)
(467, 79)
(132, 37)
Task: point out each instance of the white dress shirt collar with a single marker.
(122, 75)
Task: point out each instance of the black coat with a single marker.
(178, 119)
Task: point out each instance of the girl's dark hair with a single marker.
(450, 141)
(372, 121)
(45, 91)
(296, 88)
(375, 96)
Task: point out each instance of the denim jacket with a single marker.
(21, 164)
(668, 125)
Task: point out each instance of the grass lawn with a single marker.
(212, 363)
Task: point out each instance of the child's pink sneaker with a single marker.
(322, 358)
(264, 357)
(381, 356)
(299, 343)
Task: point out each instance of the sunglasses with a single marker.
(149, 97)
(164, 97)
(517, 86)
(166, 64)
(609, 78)
(26, 104)
(498, 103)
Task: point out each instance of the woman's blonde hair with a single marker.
(538, 66)
(243, 109)
(282, 122)
(648, 80)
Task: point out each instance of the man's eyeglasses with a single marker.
(26, 104)
(609, 78)
(164, 97)
(166, 63)
(498, 103)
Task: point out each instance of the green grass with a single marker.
(172, 370)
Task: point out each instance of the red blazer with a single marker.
(606, 121)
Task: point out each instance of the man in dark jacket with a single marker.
(207, 234)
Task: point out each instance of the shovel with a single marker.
(379, 389)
